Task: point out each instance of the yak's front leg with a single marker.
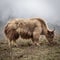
(35, 39)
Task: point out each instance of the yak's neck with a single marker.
(44, 31)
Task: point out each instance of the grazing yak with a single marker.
(26, 29)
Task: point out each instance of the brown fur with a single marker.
(11, 34)
(28, 28)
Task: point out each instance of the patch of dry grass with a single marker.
(27, 52)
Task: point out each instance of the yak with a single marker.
(28, 28)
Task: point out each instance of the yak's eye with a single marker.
(52, 36)
(51, 33)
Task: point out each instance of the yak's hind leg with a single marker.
(9, 43)
(35, 39)
(14, 43)
(14, 37)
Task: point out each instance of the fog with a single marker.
(46, 9)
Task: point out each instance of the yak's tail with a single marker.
(5, 29)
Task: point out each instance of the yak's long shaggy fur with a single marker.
(27, 28)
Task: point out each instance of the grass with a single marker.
(27, 52)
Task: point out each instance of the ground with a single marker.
(25, 51)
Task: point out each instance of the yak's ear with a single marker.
(48, 31)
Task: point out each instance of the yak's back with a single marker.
(42, 22)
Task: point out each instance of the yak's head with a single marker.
(50, 35)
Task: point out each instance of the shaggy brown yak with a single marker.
(28, 28)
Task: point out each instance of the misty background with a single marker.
(46, 9)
